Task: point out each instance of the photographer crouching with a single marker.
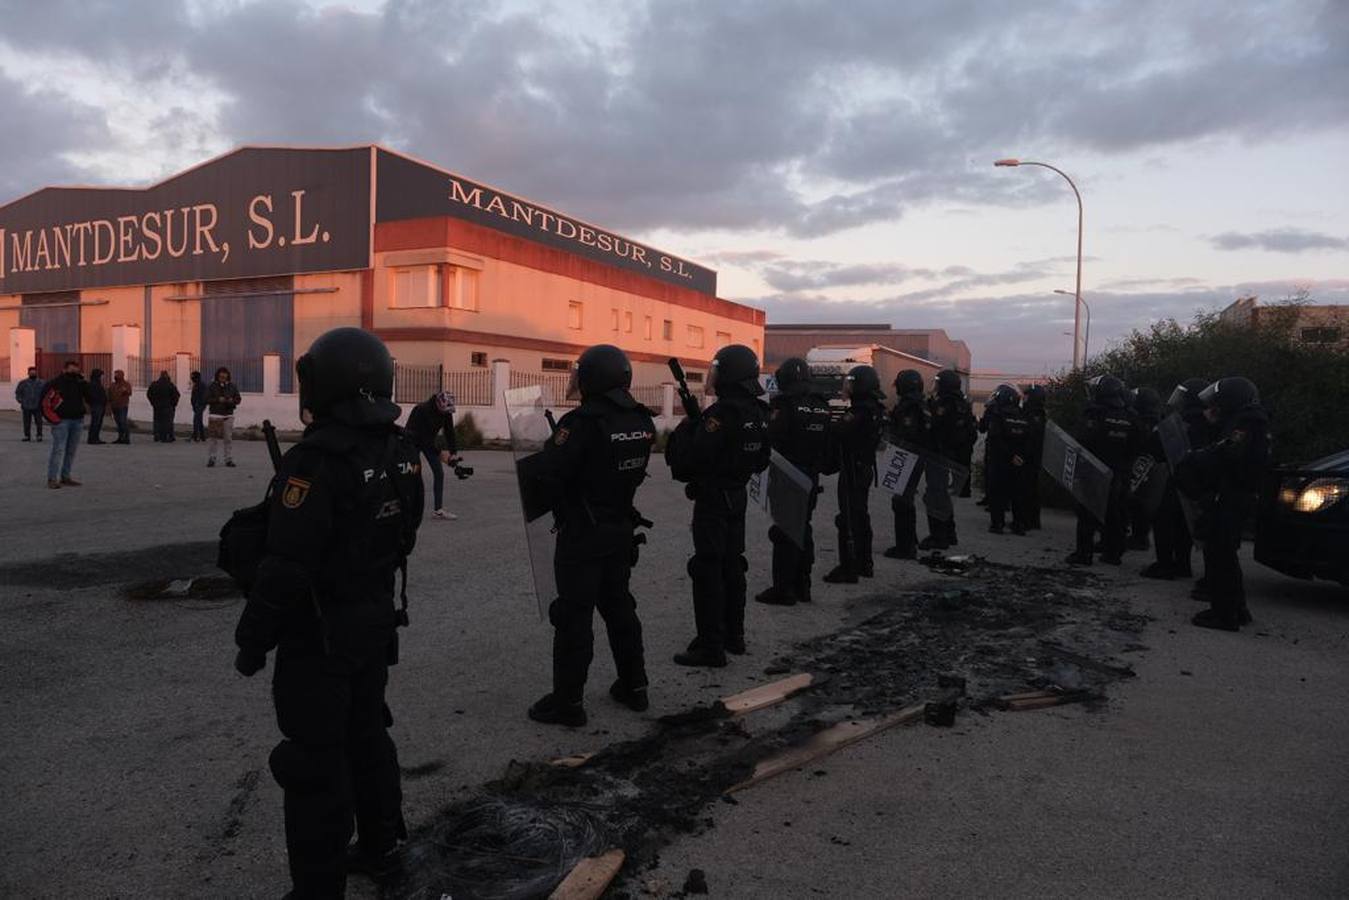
(428, 419)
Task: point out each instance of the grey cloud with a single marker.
(814, 276)
(708, 118)
(1280, 240)
(39, 128)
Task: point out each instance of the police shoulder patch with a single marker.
(712, 423)
(560, 436)
(295, 492)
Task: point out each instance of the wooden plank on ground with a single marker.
(766, 695)
(826, 742)
(588, 879)
(575, 761)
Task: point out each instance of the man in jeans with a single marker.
(119, 401)
(73, 393)
(221, 399)
(29, 395)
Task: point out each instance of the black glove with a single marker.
(249, 664)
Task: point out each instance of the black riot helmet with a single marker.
(1231, 394)
(1185, 398)
(602, 371)
(909, 383)
(1147, 402)
(862, 383)
(1005, 395)
(1035, 396)
(1107, 390)
(734, 366)
(949, 383)
(793, 375)
(347, 375)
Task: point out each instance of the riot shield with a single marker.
(898, 470)
(530, 428)
(1175, 439)
(1147, 482)
(944, 478)
(1071, 465)
(784, 492)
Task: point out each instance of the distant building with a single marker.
(257, 252)
(929, 344)
(1323, 324)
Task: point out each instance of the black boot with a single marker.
(1211, 618)
(936, 536)
(1159, 570)
(841, 574)
(909, 552)
(551, 711)
(699, 656)
(773, 596)
(634, 699)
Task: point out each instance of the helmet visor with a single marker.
(574, 382)
(1178, 397)
(1209, 395)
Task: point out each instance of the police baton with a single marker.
(685, 395)
(273, 446)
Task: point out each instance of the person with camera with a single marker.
(428, 420)
(339, 522)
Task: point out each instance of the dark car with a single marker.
(1303, 527)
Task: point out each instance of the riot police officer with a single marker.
(857, 437)
(1034, 408)
(1110, 434)
(591, 469)
(1226, 475)
(715, 454)
(1172, 541)
(1147, 409)
(908, 428)
(344, 509)
(953, 432)
(1009, 440)
(798, 428)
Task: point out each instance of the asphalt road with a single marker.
(133, 758)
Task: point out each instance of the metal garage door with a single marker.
(243, 319)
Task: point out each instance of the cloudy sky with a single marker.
(832, 159)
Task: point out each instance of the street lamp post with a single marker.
(1086, 341)
(1078, 353)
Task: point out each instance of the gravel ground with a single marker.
(133, 758)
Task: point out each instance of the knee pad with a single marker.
(303, 769)
(778, 536)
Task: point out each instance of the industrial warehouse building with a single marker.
(245, 259)
(889, 349)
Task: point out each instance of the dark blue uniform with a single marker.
(798, 428)
(908, 423)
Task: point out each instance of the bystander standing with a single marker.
(198, 400)
(64, 402)
(28, 393)
(221, 399)
(163, 397)
(119, 401)
(98, 406)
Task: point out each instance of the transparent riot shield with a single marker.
(897, 470)
(1147, 482)
(1081, 474)
(1175, 440)
(944, 478)
(784, 492)
(530, 428)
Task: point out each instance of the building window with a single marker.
(627, 322)
(417, 287)
(463, 288)
(695, 335)
(667, 330)
(647, 328)
(556, 365)
(478, 359)
(723, 339)
(1321, 335)
(574, 315)
(613, 320)
(693, 377)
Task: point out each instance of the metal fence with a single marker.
(143, 370)
(554, 385)
(245, 372)
(652, 396)
(49, 365)
(413, 384)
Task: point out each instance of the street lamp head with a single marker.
(1007, 162)
(1062, 291)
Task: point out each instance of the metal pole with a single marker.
(1078, 351)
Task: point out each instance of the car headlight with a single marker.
(1315, 495)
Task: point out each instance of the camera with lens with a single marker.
(462, 471)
